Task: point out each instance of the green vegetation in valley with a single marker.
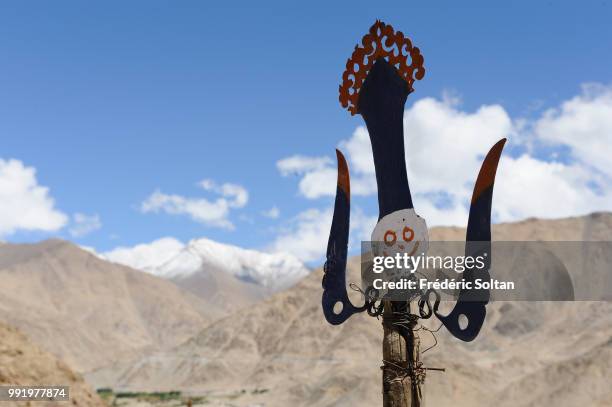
(114, 399)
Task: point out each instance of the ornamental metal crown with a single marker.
(382, 41)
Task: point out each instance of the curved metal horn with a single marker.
(334, 280)
(472, 303)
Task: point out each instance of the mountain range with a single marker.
(133, 330)
(168, 258)
(89, 312)
(282, 352)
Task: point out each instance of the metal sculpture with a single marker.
(377, 81)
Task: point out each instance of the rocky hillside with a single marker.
(23, 363)
(90, 312)
(282, 352)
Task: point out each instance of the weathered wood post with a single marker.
(400, 357)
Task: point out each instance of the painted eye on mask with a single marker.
(390, 237)
(408, 234)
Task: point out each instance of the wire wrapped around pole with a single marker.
(403, 375)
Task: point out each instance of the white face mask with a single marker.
(400, 232)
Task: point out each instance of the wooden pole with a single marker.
(402, 375)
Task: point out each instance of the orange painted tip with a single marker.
(486, 176)
(344, 182)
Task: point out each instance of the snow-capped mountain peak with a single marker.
(169, 258)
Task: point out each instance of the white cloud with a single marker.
(272, 213)
(211, 213)
(529, 187)
(318, 174)
(445, 147)
(317, 183)
(84, 224)
(299, 164)
(359, 150)
(199, 209)
(306, 235)
(584, 124)
(237, 195)
(24, 204)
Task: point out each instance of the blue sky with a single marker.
(112, 101)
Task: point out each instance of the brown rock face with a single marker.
(23, 363)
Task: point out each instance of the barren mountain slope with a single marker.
(528, 354)
(594, 227)
(23, 363)
(224, 291)
(90, 312)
